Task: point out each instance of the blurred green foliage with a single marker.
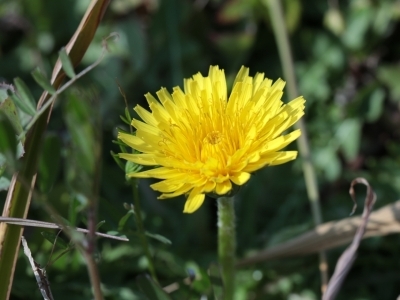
(347, 64)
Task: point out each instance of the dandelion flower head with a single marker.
(200, 141)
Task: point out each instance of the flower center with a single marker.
(213, 150)
(213, 138)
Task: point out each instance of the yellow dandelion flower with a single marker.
(202, 142)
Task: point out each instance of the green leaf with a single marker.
(42, 80)
(26, 108)
(376, 103)
(390, 76)
(20, 150)
(55, 239)
(8, 140)
(334, 21)
(9, 109)
(4, 183)
(49, 162)
(124, 219)
(159, 238)
(152, 290)
(25, 95)
(327, 161)
(356, 28)
(66, 63)
(3, 94)
(349, 137)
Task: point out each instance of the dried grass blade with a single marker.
(349, 255)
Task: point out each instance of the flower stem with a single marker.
(141, 231)
(227, 244)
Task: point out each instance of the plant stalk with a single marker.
(227, 244)
(282, 40)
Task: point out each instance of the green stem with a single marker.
(140, 227)
(227, 244)
(282, 40)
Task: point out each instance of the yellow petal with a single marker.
(209, 187)
(194, 201)
(281, 141)
(140, 159)
(223, 187)
(145, 127)
(146, 115)
(166, 187)
(182, 190)
(161, 173)
(284, 157)
(240, 178)
(134, 142)
(275, 158)
(242, 74)
(151, 100)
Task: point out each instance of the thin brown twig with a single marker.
(42, 224)
(40, 273)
